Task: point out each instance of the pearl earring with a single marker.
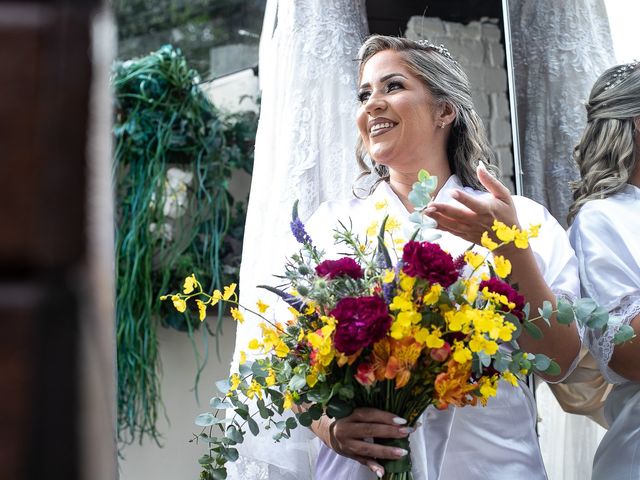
(442, 125)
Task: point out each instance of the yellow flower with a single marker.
(434, 339)
(270, 379)
(254, 389)
(381, 205)
(392, 224)
(372, 229)
(407, 282)
(488, 388)
(262, 307)
(461, 354)
(502, 266)
(471, 291)
(288, 400)
(178, 303)
(389, 275)
(400, 303)
(202, 309)
(281, 349)
(510, 377)
(521, 239)
(504, 233)
(190, 283)
(243, 357)
(237, 315)
(216, 297)
(487, 242)
(473, 259)
(534, 230)
(254, 344)
(406, 319)
(235, 382)
(433, 295)
(312, 379)
(229, 291)
(311, 308)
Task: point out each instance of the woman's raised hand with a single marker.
(478, 213)
(348, 436)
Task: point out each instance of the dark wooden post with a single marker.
(45, 271)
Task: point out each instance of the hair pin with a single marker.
(441, 49)
(621, 73)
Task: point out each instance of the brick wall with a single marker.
(477, 47)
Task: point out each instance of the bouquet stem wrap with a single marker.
(399, 469)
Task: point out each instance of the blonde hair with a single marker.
(605, 154)
(447, 82)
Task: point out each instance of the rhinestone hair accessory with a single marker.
(441, 49)
(622, 72)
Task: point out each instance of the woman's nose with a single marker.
(375, 103)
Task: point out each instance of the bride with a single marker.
(416, 113)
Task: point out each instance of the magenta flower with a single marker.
(343, 267)
(501, 287)
(428, 261)
(362, 321)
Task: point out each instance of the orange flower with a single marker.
(394, 359)
(452, 386)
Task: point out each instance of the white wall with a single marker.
(178, 459)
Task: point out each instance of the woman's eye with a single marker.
(363, 96)
(394, 86)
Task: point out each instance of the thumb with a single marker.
(491, 183)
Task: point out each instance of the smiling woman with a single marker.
(416, 113)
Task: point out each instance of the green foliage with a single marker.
(168, 229)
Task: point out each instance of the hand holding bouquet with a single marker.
(397, 329)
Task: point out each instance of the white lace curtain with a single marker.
(304, 150)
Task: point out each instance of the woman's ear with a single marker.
(636, 124)
(447, 113)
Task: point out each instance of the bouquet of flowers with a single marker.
(393, 325)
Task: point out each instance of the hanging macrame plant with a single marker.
(174, 156)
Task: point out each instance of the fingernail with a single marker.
(399, 421)
(429, 210)
(400, 452)
(482, 165)
(407, 430)
(455, 194)
(379, 471)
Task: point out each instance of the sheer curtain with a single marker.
(304, 150)
(559, 49)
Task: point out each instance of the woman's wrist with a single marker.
(322, 429)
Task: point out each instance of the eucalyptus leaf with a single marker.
(305, 419)
(219, 473)
(542, 362)
(533, 330)
(624, 334)
(565, 314)
(234, 434)
(205, 420)
(598, 319)
(219, 403)
(584, 308)
(253, 426)
(223, 386)
(553, 369)
(297, 382)
(205, 460)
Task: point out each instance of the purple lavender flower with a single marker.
(300, 234)
(297, 227)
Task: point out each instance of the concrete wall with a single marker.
(478, 49)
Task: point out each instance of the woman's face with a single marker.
(397, 119)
